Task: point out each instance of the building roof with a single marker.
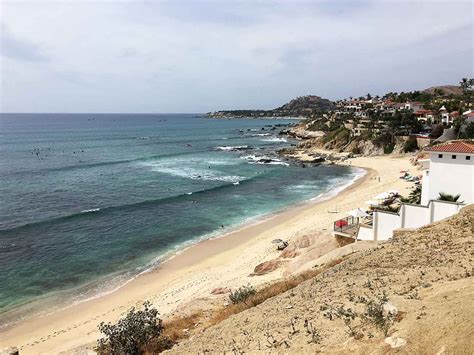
(454, 147)
(422, 112)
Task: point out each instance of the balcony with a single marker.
(346, 227)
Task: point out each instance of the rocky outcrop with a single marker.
(266, 267)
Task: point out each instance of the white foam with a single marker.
(199, 171)
(253, 159)
(275, 140)
(91, 210)
(231, 148)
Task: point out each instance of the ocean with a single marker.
(88, 201)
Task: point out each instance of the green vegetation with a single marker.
(418, 96)
(447, 197)
(414, 197)
(241, 294)
(129, 334)
(341, 134)
(389, 148)
(376, 314)
(410, 145)
(468, 132)
(467, 87)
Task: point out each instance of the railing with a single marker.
(345, 223)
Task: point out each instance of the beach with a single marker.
(186, 280)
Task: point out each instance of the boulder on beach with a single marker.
(220, 290)
(266, 267)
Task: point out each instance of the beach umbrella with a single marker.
(358, 213)
(371, 203)
(276, 241)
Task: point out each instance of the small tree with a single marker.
(131, 333)
(410, 145)
(376, 314)
(414, 197)
(437, 131)
(468, 131)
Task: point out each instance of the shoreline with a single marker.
(188, 275)
(38, 308)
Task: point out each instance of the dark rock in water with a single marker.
(303, 165)
(265, 160)
(318, 160)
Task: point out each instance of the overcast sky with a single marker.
(199, 56)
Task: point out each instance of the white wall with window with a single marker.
(450, 173)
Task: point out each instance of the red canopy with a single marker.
(341, 223)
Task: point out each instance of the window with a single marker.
(440, 156)
(468, 157)
(453, 156)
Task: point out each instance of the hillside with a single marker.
(445, 90)
(416, 288)
(310, 103)
(303, 106)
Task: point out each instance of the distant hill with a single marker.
(445, 89)
(307, 103)
(303, 106)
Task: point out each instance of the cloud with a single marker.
(17, 48)
(197, 55)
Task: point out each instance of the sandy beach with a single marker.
(222, 262)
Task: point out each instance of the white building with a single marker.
(414, 106)
(449, 170)
(445, 116)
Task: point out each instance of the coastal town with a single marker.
(395, 122)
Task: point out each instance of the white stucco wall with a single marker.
(384, 225)
(365, 233)
(414, 216)
(442, 210)
(425, 187)
(410, 216)
(452, 176)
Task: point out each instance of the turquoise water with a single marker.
(89, 201)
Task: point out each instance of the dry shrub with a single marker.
(269, 291)
(181, 328)
(174, 330)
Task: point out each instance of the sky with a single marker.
(199, 56)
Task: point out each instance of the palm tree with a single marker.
(414, 197)
(447, 197)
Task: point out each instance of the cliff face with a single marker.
(411, 294)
